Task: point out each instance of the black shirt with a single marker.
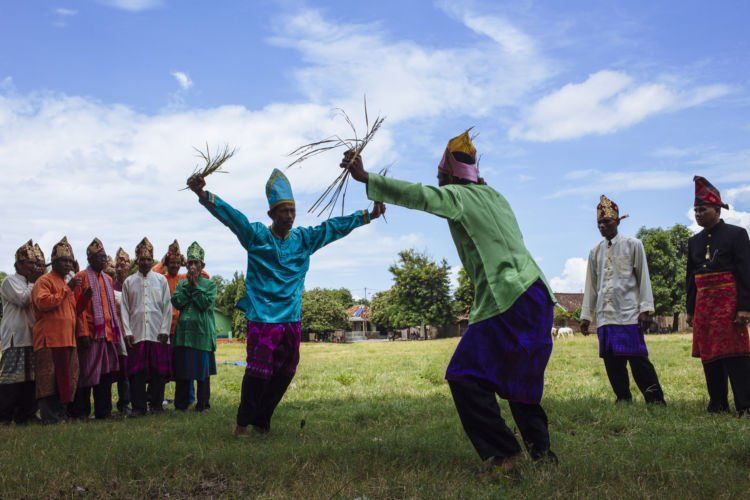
(723, 248)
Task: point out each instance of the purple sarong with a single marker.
(621, 340)
(151, 357)
(509, 351)
(99, 358)
(273, 348)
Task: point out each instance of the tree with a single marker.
(323, 310)
(381, 310)
(231, 292)
(666, 251)
(463, 297)
(421, 291)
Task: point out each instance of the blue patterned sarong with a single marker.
(621, 340)
(509, 351)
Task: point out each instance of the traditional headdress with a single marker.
(122, 257)
(278, 189)
(174, 251)
(195, 252)
(144, 248)
(449, 164)
(706, 193)
(110, 267)
(38, 254)
(608, 209)
(94, 248)
(62, 250)
(26, 252)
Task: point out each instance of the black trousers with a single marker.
(17, 402)
(259, 399)
(480, 416)
(735, 370)
(123, 394)
(182, 394)
(81, 405)
(644, 375)
(145, 398)
(51, 410)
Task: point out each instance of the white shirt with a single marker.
(618, 287)
(18, 318)
(146, 306)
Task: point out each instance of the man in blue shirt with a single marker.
(278, 258)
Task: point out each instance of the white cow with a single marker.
(564, 332)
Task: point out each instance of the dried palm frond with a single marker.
(337, 189)
(212, 164)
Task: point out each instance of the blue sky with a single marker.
(101, 102)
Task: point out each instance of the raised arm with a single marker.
(315, 238)
(441, 201)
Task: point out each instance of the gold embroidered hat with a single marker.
(173, 252)
(144, 248)
(26, 252)
(94, 248)
(39, 254)
(62, 250)
(122, 257)
(608, 209)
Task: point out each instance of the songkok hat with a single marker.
(450, 165)
(62, 250)
(144, 248)
(707, 194)
(38, 254)
(122, 257)
(174, 251)
(278, 190)
(608, 209)
(195, 252)
(94, 248)
(110, 267)
(26, 252)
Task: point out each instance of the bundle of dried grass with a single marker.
(212, 164)
(337, 189)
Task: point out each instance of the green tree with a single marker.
(230, 292)
(323, 310)
(666, 251)
(381, 310)
(463, 297)
(421, 291)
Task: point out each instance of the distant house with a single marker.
(570, 302)
(358, 318)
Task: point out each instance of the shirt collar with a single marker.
(613, 241)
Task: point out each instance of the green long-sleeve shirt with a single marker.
(196, 327)
(485, 232)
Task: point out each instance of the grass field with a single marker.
(380, 423)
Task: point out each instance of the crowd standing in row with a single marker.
(504, 352)
(68, 336)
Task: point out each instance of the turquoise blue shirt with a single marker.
(276, 267)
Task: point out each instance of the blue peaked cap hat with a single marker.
(278, 189)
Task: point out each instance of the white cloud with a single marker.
(573, 276)
(606, 102)
(407, 79)
(133, 5)
(182, 79)
(739, 194)
(62, 11)
(597, 182)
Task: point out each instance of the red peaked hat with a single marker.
(706, 193)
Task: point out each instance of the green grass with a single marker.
(380, 423)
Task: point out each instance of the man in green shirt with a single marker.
(508, 343)
(195, 336)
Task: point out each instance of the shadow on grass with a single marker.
(378, 446)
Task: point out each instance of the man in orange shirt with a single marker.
(98, 335)
(55, 355)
